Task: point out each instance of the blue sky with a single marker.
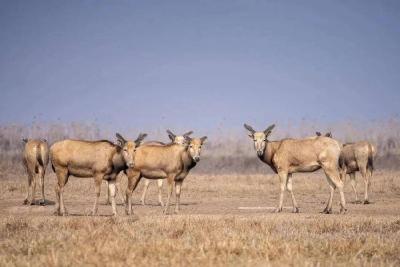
(200, 64)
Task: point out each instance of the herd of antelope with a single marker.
(105, 160)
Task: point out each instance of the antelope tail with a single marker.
(342, 167)
(371, 152)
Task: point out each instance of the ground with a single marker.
(225, 220)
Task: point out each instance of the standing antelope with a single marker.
(358, 157)
(35, 158)
(289, 156)
(177, 139)
(172, 162)
(102, 160)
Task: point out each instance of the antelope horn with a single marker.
(249, 128)
(140, 138)
(269, 129)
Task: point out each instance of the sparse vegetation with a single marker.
(226, 151)
(211, 229)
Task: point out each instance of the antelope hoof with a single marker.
(57, 212)
(343, 210)
(94, 213)
(296, 210)
(143, 203)
(25, 202)
(277, 210)
(61, 213)
(327, 211)
(42, 203)
(366, 202)
(128, 211)
(32, 202)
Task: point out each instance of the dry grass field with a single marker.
(211, 229)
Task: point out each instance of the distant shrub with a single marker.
(225, 151)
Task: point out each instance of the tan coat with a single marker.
(172, 162)
(358, 157)
(35, 159)
(289, 156)
(102, 160)
(175, 139)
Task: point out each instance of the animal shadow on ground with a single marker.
(38, 202)
(361, 202)
(193, 203)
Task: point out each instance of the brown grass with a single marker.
(210, 231)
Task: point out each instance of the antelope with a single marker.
(177, 139)
(358, 157)
(172, 162)
(35, 159)
(101, 160)
(289, 156)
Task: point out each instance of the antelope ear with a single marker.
(328, 134)
(318, 133)
(203, 139)
(44, 140)
(251, 136)
(269, 129)
(25, 140)
(249, 128)
(140, 138)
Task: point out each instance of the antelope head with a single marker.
(195, 147)
(129, 148)
(259, 138)
(179, 139)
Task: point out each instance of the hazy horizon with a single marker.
(200, 64)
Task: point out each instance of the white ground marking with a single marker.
(261, 208)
